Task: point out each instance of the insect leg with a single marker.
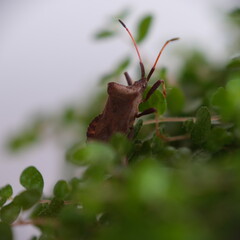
(128, 78)
(145, 112)
(153, 88)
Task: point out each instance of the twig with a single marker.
(176, 119)
(40, 221)
(177, 138)
(49, 201)
(45, 201)
(36, 221)
(173, 119)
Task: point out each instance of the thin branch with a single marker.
(36, 221)
(49, 201)
(45, 201)
(176, 119)
(40, 221)
(177, 138)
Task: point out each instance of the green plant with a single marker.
(183, 188)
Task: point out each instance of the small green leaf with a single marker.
(137, 128)
(235, 16)
(157, 101)
(49, 210)
(5, 193)
(219, 97)
(233, 89)
(5, 231)
(26, 137)
(234, 64)
(220, 101)
(218, 138)
(34, 238)
(10, 212)
(61, 189)
(27, 198)
(104, 34)
(188, 125)
(143, 28)
(32, 179)
(92, 153)
(202, 126)
(175, 100)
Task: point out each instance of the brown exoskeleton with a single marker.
(121, 108)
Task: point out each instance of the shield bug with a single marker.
(121, 108)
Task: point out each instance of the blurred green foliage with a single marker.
(147, 187)
(5, 193)
(157, 101)
(143, 28)
(6, 232)
(202, 126)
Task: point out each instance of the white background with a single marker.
(48, 58)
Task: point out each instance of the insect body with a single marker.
(121, 108)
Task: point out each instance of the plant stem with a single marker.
(37, 221)
(49, 201)
(176, 119)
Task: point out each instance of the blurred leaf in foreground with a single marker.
(226, 100)
(92, 153)
(218, 138)
(5, 232)
(235, 16)
(234, 64)
(221, 101)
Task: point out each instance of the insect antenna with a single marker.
(159, 54)
(136, 47)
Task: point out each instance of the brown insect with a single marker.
(121, 108)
